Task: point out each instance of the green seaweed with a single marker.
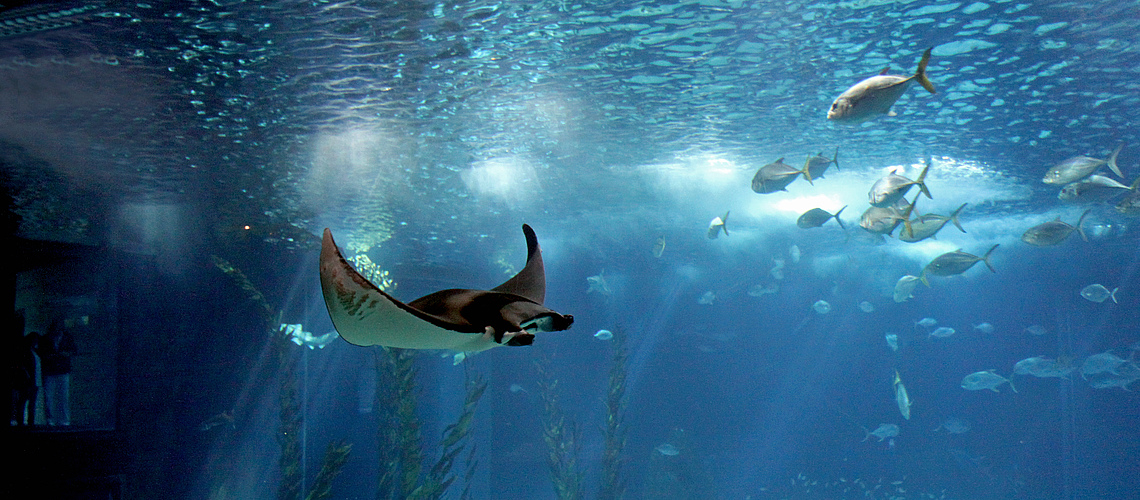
(612, 485)
(336, 454)
(246, 285)
(561, 438)
(289, 434)
(401, 456)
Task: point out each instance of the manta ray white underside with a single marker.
(455, 319)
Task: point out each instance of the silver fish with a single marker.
(904, 288)
(821, 307)
(817, 217)
(884, 220)
(901, 397)
(818, 164)
(762, 290)
(1079, 167)
(225, 418)
(956, 262)
(985, 380)
(1105, 362)
(775, 177)
(597, 284)
(717, 225)
(1093, 188)
(1098, 293)
(707, 299)
(892, 341)
(875, 95)
(1130, 204)
(1129, 373)
(1053, 232)
(890, 189)
(1042, 367)
(884, 431)
(954, 425)
(942, 332)
(927, 225)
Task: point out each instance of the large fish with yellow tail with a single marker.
(874, 96)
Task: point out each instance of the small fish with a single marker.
(1036, 330)
(984, 327)
(1093, 188)
(904, 288)
(225, 418)
(777, 270)
(1121, 381)
(1079, 167)
(659, 247)
(1027, 365)
(1098, 293)
(875, 95)
(956, 262)
(707, 298)
(817, 217)
(985, 380)
(890, 189)
(1105, 362)
(794, 253)
(775, 177)
(821, 307)
(517, 388)
(604, 335)
(302, 338)
(866, 307)
(597, 284)
(942, 332)
(892, 341)
(761, 290)
(667, 450)
(884, 220)
(1130, 204)
(954, 426)
(717, 225)
(1042, 367)
(927, 225)
(1053, 232)
(884, 431)
(818, 164)
(901, 397)
(926, 322)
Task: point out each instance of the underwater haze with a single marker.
(170, 168)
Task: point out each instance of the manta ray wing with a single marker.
(456, 319)
(531, 281)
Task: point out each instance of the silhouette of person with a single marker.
(24, 395)
(22, 373)
(56, 349)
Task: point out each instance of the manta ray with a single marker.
(456, 319)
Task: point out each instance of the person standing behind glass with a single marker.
(56, 349)
(22, 375)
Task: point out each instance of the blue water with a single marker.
(149, 137)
